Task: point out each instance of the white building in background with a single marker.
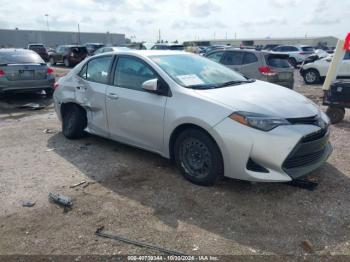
(21, 38)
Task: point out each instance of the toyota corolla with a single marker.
(210, 120)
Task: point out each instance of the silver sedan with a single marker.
(211, 120)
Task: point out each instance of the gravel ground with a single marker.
(142, 196)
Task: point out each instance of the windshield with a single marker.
(197, 72)
(20, 58)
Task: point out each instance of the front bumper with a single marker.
(286, 152)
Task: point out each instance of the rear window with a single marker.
(38, 48)
(20, 58)
(308, 49)
(278, 62)
(177, 47)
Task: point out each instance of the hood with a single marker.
(263, 98)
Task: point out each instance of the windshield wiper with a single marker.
(235, 82)
(204, 86)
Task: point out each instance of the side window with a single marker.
(233, 58)
(131, 73)
(215, 56)
(249, 58)
(284, 49)
(293, 49)
(98, 69)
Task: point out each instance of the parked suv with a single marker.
(297, 54)
(69, 55)
(265, 66)
(40, 50)
(314, 72)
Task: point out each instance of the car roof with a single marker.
(13, 50)
(146, 53)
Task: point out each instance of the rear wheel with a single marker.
(293, 62)
(198, 157)
(52, 61)
(66, 62)
(74, 122)
(311, 77)
(335, 114)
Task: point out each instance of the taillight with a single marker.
(302, 53)
(55, 86)
(50, 71)
(266, 71)
(2, 73)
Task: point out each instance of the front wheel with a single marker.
(311, 77)
(335, 114)
(198, 157)
(293, 62)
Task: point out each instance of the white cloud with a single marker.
(182, 19)
(203, 9)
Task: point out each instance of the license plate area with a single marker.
(26, 74)
(284, 76)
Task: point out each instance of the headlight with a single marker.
(258, 121)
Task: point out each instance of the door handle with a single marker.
(112, 96)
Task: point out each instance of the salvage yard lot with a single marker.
(142, 196)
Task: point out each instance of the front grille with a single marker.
(305, 160)
(315, 136)
(312, 120)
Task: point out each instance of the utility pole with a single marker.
(78, 34)
(47, 22)
(159, 36)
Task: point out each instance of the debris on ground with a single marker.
(78, 184)
(307, 246)
(99, 232)
(61, 200)
(50, 150)
(27, 203)
(32, 106)
(48, 131)
(308, 184)
(88, 184)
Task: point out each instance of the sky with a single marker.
(182, 20)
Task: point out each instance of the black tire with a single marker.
(66, 62)
(74, 121)
(311, 77)
(49, 92)
(198, 157)
(293, 62)
(335, 114)
(52, 61)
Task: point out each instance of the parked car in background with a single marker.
(69, 55)
(270, 47)
(265, 66)
(23, 70)
(211, 48)
(92, 47)
(316, 71)
(154, 100)
(39, 49)
(297, 53)
(111, 49)
(168, 47)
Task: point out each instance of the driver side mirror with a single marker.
(151, 85)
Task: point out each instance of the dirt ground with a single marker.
(142, 196)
